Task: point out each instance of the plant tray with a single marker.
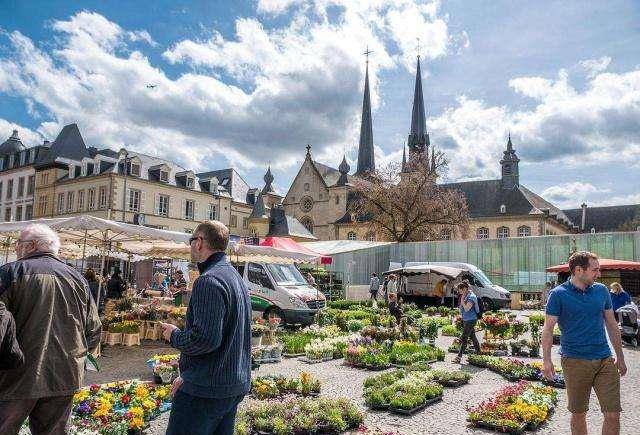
(417, 408)
(382, 407)
(491, 426)
(310, 361)
(292, 355)
(454, 384)
(555, 384)
(268, 360)
(376, 368)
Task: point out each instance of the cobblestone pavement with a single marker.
(447, 416)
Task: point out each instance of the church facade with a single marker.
(320, 196)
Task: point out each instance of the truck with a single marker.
(278, 290)
(419, 279)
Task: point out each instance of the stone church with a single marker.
(320, 195)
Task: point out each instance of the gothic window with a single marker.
(306, 187)
(524, 231)
(482, 233)
(445, 234)
(307, 223)
(507, 169)
(351, 235)
(503, 232)
(337, 199)
(306, 204)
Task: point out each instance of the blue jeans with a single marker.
(192, 415)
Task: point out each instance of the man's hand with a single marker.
(167, 330)
(548, 370)
(622, 367)
(175, 386)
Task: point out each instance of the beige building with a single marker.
(73, 179)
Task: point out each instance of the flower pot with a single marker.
(142, 326)
(103, 336)
(256, 341)
(113, 338)
(152, 331)
(131, 339)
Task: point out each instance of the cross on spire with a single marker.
(308, 148)
(418, 46)
(367, 52)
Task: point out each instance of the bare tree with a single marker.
(631, 225)
(410, 206)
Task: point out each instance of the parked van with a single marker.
(280, 290)
(422, 285)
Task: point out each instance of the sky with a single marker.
(248, 84)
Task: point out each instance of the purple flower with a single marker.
(83, 408)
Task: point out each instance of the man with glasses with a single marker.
(56, 324)
(215, 344)
(582, 309)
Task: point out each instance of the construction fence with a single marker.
(517, 264)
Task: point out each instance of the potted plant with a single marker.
(257, 330)
(164, 373)
(130, 333)
(115, 334)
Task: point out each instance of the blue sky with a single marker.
(249, 83)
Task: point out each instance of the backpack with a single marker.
(480, 309)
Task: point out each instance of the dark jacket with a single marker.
(11, 356)
(115, 287)
(56, 321)
(215, 344)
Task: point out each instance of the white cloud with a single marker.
(571, 195)
(261, 95)
(597, 125)
(595, 66)
(633, 198)
(27, 136)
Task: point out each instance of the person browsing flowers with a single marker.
(469, 310)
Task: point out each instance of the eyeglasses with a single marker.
(191, 239)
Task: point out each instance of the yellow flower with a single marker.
(148, 404)
(136, 423)
(136, 412)
(305, 377)
(142, 392)
(80, 396)
(162, 392)
(102, 411)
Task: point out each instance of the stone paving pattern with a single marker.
(446, 417)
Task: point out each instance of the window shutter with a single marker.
(157, 210)
(182, 209)
(126, 198)
(172, 207)
(143, 197)
(196, 217)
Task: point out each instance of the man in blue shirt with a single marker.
(582, 309)
(469, 311)
(215, 343)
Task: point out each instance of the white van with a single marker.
(422, 285)
(280, 290)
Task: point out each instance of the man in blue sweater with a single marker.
(215, 344)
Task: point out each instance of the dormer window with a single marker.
(72, 171)
(135, 169)
(503, 209)
(23, 158)
(90, 169)
(164, 176)
(190, 183)
(77, 171)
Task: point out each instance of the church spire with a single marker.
(366, 162)
(510, 170)
(418, 136)
(404, 159)
(268, 179)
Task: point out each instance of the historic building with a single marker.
(605, 219)
(65, 178)
(319, 196)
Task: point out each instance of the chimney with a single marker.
(584, 215)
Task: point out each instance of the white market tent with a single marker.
(449, 272)
(237, 252)
(96, 234)
(331, 247)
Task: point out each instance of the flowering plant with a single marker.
(132, 402)
(495, 324)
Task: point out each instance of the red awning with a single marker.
(287, 244)
(605, 264)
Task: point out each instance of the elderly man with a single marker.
(57, 324)
(215, 344)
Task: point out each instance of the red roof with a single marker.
(605, 264)
(287, 244)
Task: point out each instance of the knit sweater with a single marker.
(215, 344)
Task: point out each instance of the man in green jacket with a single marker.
(57, 324)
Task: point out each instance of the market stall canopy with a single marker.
(331, 247)
(449, 272)
(291, 246)
(98, 232)
(605, 264)
(237, 252)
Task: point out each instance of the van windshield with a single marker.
(286, 274)
(480, 276)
